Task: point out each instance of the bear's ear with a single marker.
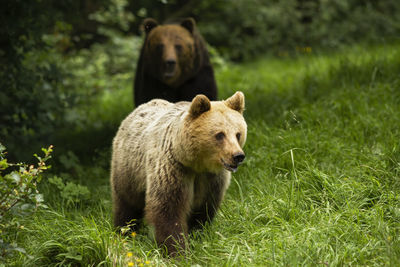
(200, 104)
(236, 102)
(149, 24)
(188, 24)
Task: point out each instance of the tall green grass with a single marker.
(320, 185)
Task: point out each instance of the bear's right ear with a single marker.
(149, 24)
(200, 104)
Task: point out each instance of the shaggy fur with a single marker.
(174, 64)
(171, 163)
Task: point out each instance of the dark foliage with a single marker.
(243, 29)
(30, 98)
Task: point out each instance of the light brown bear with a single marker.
(171, 164)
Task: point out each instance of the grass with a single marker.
(319, 187)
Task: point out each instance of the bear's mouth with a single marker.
(169, 71)
(168, 74)
(231, 168)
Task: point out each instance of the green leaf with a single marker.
(15, 177)
(2, 148)
(3, 164)
(39, 198)
(27, 207)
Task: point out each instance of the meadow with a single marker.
(320, 185)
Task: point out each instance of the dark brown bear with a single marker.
(174, 64)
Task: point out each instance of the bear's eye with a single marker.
(159, 47)
(178, 48)
(220, 136)
(238, 135)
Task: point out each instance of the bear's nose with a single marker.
(238, 157)
(170, 63)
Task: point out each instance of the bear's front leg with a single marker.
(215, 186)
(168, 202)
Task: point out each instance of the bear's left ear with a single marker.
(200, 104)
(236, 102)
(188, 24)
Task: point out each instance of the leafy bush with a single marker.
(31, 97)
(19, 196)
(101, 78)
(243, 29)
(50, 83)
(70, 192)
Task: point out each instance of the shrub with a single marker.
(50, 83)
(19, 196)
(31, 97)
(243, 29)
(70, 192)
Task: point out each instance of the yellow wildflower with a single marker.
(133, 234)
(130, 263)
(129, 254)
(147, 262)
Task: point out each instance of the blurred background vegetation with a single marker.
(60, 60)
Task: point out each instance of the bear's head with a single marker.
(214, 133)
(169, 51)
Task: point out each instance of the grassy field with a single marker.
(320, 185)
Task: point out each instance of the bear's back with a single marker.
(152, 117)
(139, 133)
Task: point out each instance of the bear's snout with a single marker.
(169, 66)
(170, 63)
(233, 163)
(238, 158)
